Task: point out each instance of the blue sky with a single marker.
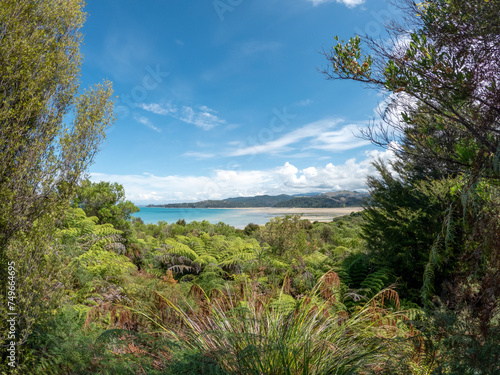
(223, 98)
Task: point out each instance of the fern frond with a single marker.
(173, 247)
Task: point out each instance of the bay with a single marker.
(235, 217)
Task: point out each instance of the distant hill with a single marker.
(336, 199)
(238, 202)
(322, 202)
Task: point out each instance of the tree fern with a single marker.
(356, 266)
(375, 282)
(173, 247)
(190, 254)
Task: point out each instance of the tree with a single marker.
(43, 155)
(403, 219)
(444, 68)
(287, 236)
(107, 202)
(441, 74)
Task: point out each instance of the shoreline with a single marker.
(311, 214)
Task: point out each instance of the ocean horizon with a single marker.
(237, 218)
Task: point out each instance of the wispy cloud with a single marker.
(298, 143)
(202, 117)
(304, 103)
(317, 135)
(393, 105)
(282, 144)
(224, 183)
(340, 140)
(199, 155)
(348, 3)
(158, 109)
(146, 122)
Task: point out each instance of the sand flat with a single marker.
(312, 214)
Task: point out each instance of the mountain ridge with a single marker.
(343, 198)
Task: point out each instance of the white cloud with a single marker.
(202, 117)
(205, 120)
(145, 121)
(310, 172)
(204, 108)
(304, 103)
(199, 155)
(340, 140)
(393, 105)
(224, 183)
(320, 135)
(348, 3)
(158, 109)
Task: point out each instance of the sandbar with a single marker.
(311, 214)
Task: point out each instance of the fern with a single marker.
(207, 258)
(284, 304)
(440, 249)
(104, 263)
(177, 248)
(375, 282)
(356, 266)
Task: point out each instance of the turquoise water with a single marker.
(234, 217)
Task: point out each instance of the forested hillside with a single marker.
(257, 201)
(326, 200)
(410, 285)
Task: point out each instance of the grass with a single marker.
(246, 334)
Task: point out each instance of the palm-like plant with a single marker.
(207, 258)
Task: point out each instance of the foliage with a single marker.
(403, 219)
(106, 201)
(208, 257)
(207, 274)
(462, 351)
(285, 237)
(441, 69)
(43, 155)
(255, 338)
(62, 346)
(437, 217)
(102, 292)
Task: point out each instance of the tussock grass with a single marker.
(245, 334)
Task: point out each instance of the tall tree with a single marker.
(441, 72)
(42, 153)
(403, 218)
(441, 62)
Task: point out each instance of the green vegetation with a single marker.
(322, 201)
(434, 215)
(411, 285)
(326, 200)
(257, 201)
(210, 296)
(42, 155)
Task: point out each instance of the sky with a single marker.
(223, 98)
